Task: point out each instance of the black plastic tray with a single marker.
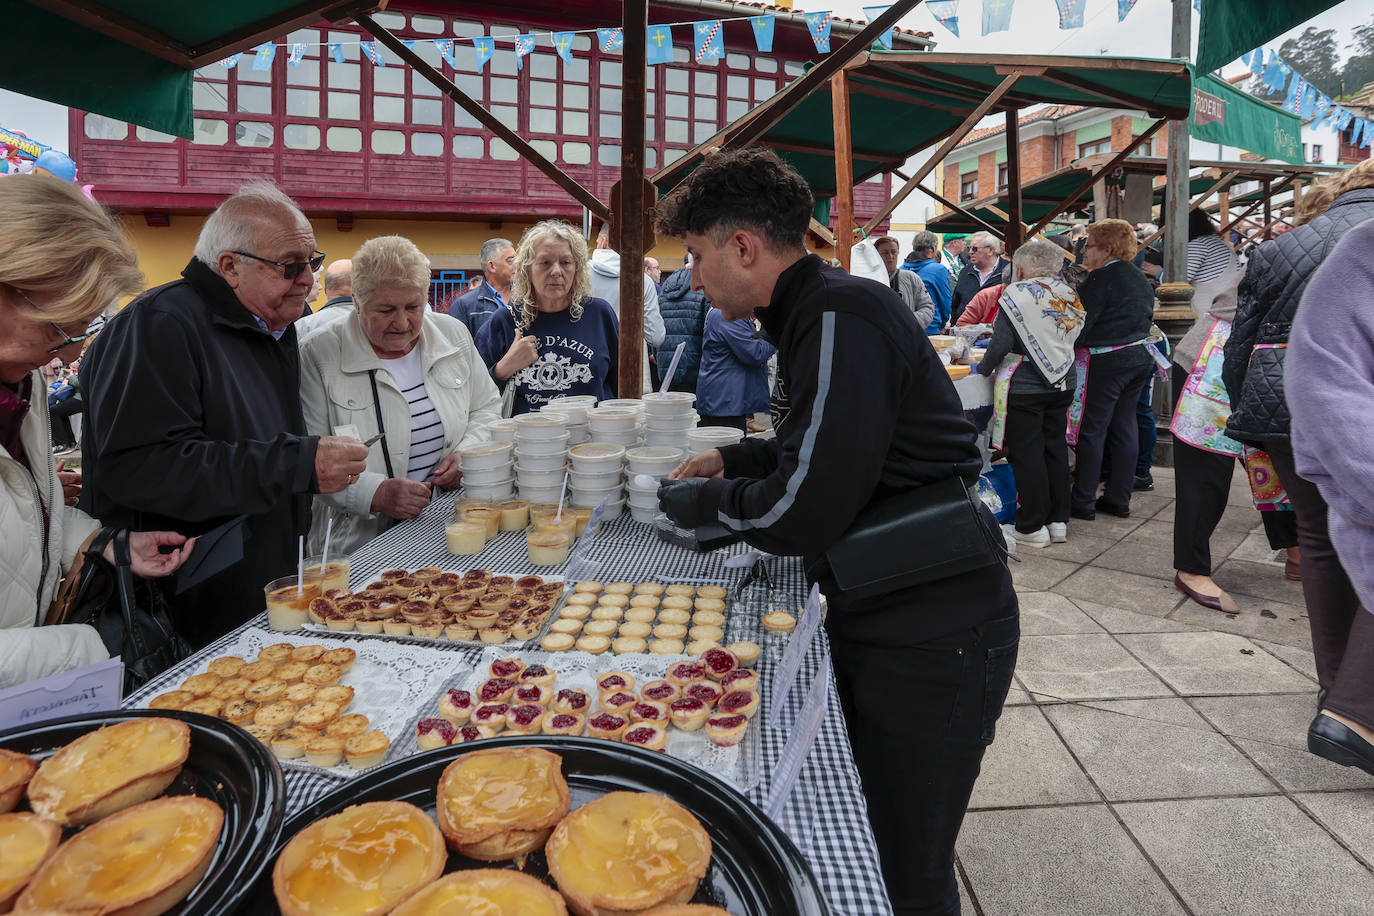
(226, 765)
(755, 869)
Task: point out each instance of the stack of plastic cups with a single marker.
(655, 461)
(487, 471)
(669, 418)
(502, 430)
(615, 426)
(575, 408)
(541, 456)
(597, 473)
(705, 438)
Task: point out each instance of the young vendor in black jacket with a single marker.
(922, 673)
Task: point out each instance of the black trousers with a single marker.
(1342, 630)
(61, 414)
(733, 422)
(1039, 457)
(1109, 422)
(1203, 481)
(920, 718)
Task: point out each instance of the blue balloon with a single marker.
(59, 165)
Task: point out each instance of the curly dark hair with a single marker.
(739, 189)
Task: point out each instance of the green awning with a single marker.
(1231, 28)
(1224, 114)
(132, 59)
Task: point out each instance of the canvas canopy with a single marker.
(1223, 114)
(1230, 28)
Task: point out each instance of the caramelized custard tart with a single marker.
(501, 803)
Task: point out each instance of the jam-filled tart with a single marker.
(564, 723)
(485, 890)
(501, 803)
(646, 735)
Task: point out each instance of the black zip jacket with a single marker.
(873, 413)
(194, 418)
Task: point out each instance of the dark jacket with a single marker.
(734, 369)
(1120, 305)
(684, 318)
(968, 285)
(194, 418)
(873, 414)
(1267, 300)
(475, 307)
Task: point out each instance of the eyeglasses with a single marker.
(67, 340)
(290, 270)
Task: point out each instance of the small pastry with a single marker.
(430, 628)
(615, 680)
(635, 629)
(501, 804)
(618, 701)
(688, 713)
(582, 599)
(495, 635)
(322, 675)
(703, 633)
(307, 653)
(477, 574)
(415, 611)
(566, 625)
(593, 645)
(590, 586)
(206, 706)
(337, 594)
(507, 668)
(501, 583)
(604, 612)
(201, 685)
(571, 699)
(239, 711)
(262, 732)
(366, 750)
(342, 657)
(276, 653)
(709, 605)
(495, 690)
(719, 662)
(402, 588)
(460, 632)
(684, 673)
(640, 615)
(649, 588)
(427, 574)
(445, 584)
(743, 702)
(556, 642)
(778, 622)
(268, 690)
(490, 718)
(467, 733)
(670, 631)
(226, 666)
(676, 603)
(459, 603)
(628, 645)
(347, 726)
(660, 691)
(526, 719)
(549, 591)
(533, 693)
(666, 647)
(674, 616)
(275, 715)
(680, 590)
(616, 601)
(396, 626)
(740, 679)
(726, 730)
(649, 711)
(481, 618)
(538, 674)
(393, 574)
(368, 625)
(607, 725)
(699, 646)
(564, 723)
(647, 601)
(337, 694)
(292, 671)
(747, 652)
(712, 591)
(620, 588)
(325, 751)
(231, 688)
(708, 619)
(605, 628)
(530, 582)
(339, 622)
(578, 612)
(456, 706)
(647, 735)
(433, 733)
(172, 699)
(289, 744)
(705, 691)
(256, 671)
(317, 715)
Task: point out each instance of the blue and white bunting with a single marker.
(1123, 9)
(1256, 62)
(763, 31)
(707, 40)
(373, 52)
(1309, 102)
(524, 44)
(611, 40)
(1296, 87)
(336, 51)
(996, 15)
(1275, 73)
(873, 12)
(1321, 108)
(818, 24)
(445, 48)
(1071, 13)
(1368, 134)
(230, 63)
(946, 12)
(263, 57)
(1360, 124)
(486, 47)
(297, 52)
(562, 43)
(1343, 119)
(660, 48)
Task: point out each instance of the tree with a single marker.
(1359, 67)
(1313, 54)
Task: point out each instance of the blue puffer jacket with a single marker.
(734, 368)
(684, 318)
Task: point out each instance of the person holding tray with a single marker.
(868, 481)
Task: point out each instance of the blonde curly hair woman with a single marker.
(554, 338)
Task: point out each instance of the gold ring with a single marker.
(352, 479)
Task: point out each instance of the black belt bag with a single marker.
(929, 533)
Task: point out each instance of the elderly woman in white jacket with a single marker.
(398, 369)
(62, 260)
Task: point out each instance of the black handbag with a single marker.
(129, 613)
(932, 532)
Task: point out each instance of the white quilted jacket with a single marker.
(31, 568)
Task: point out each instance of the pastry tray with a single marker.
(227, 766)
(755, 869)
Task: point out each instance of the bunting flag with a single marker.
(1296, 86)
(1368, 134)
(1309, 102)
(1197, 6)
(946, 12)
(660, 50)
(873, 12)
(373, 52)
(1123, 8)
(710, 44)
(1071, 13)
(445, 49)
(818, 24)
(997, 15)
(486, 47)
(1343, 119)
(336, 51)
(230, 63)
(763, 32)
(1321, 108)
(1276, 73)
(263, 57)
(524, 44)
(297, 52)
(563, 41)
(611, 39)
(1360, 123)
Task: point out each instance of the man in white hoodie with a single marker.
(606, 285)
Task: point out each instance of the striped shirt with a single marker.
(426, 426)
(1208, 258)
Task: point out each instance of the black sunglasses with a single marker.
(290, 270)
(67, 340)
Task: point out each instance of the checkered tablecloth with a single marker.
(838, 841)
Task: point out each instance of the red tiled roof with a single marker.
(1049, 113)
(856, 24)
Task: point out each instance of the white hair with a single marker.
(987, 238)
(1038, 258)
(239, 222)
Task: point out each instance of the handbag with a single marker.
(130, 614)
(929, 533)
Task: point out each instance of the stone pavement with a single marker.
(1152, 755)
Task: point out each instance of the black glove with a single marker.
(681, 500)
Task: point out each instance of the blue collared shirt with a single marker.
(276, 335)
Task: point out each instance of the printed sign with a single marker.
(94, 688)
(800, 740)
(790, 665)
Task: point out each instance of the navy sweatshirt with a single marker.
(575, 357)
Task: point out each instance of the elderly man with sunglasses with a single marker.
(194, 412)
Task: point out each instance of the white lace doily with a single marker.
(737, 765)
(390, 681)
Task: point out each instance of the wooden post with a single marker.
(1014, 225)
(1224, 207)
(1094, 178)
(844, 168)
(1176, 188)
(632, 200)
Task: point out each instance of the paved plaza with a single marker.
(1152, 755)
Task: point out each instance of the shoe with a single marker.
(1036, 539)
(1113, 509)
(1143, 484)
(1292, 569)
(1059, 533)
(1339, 743)
(1086, 515)
(1222, 602)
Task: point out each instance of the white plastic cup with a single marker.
(535, 461)
(485, 477)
